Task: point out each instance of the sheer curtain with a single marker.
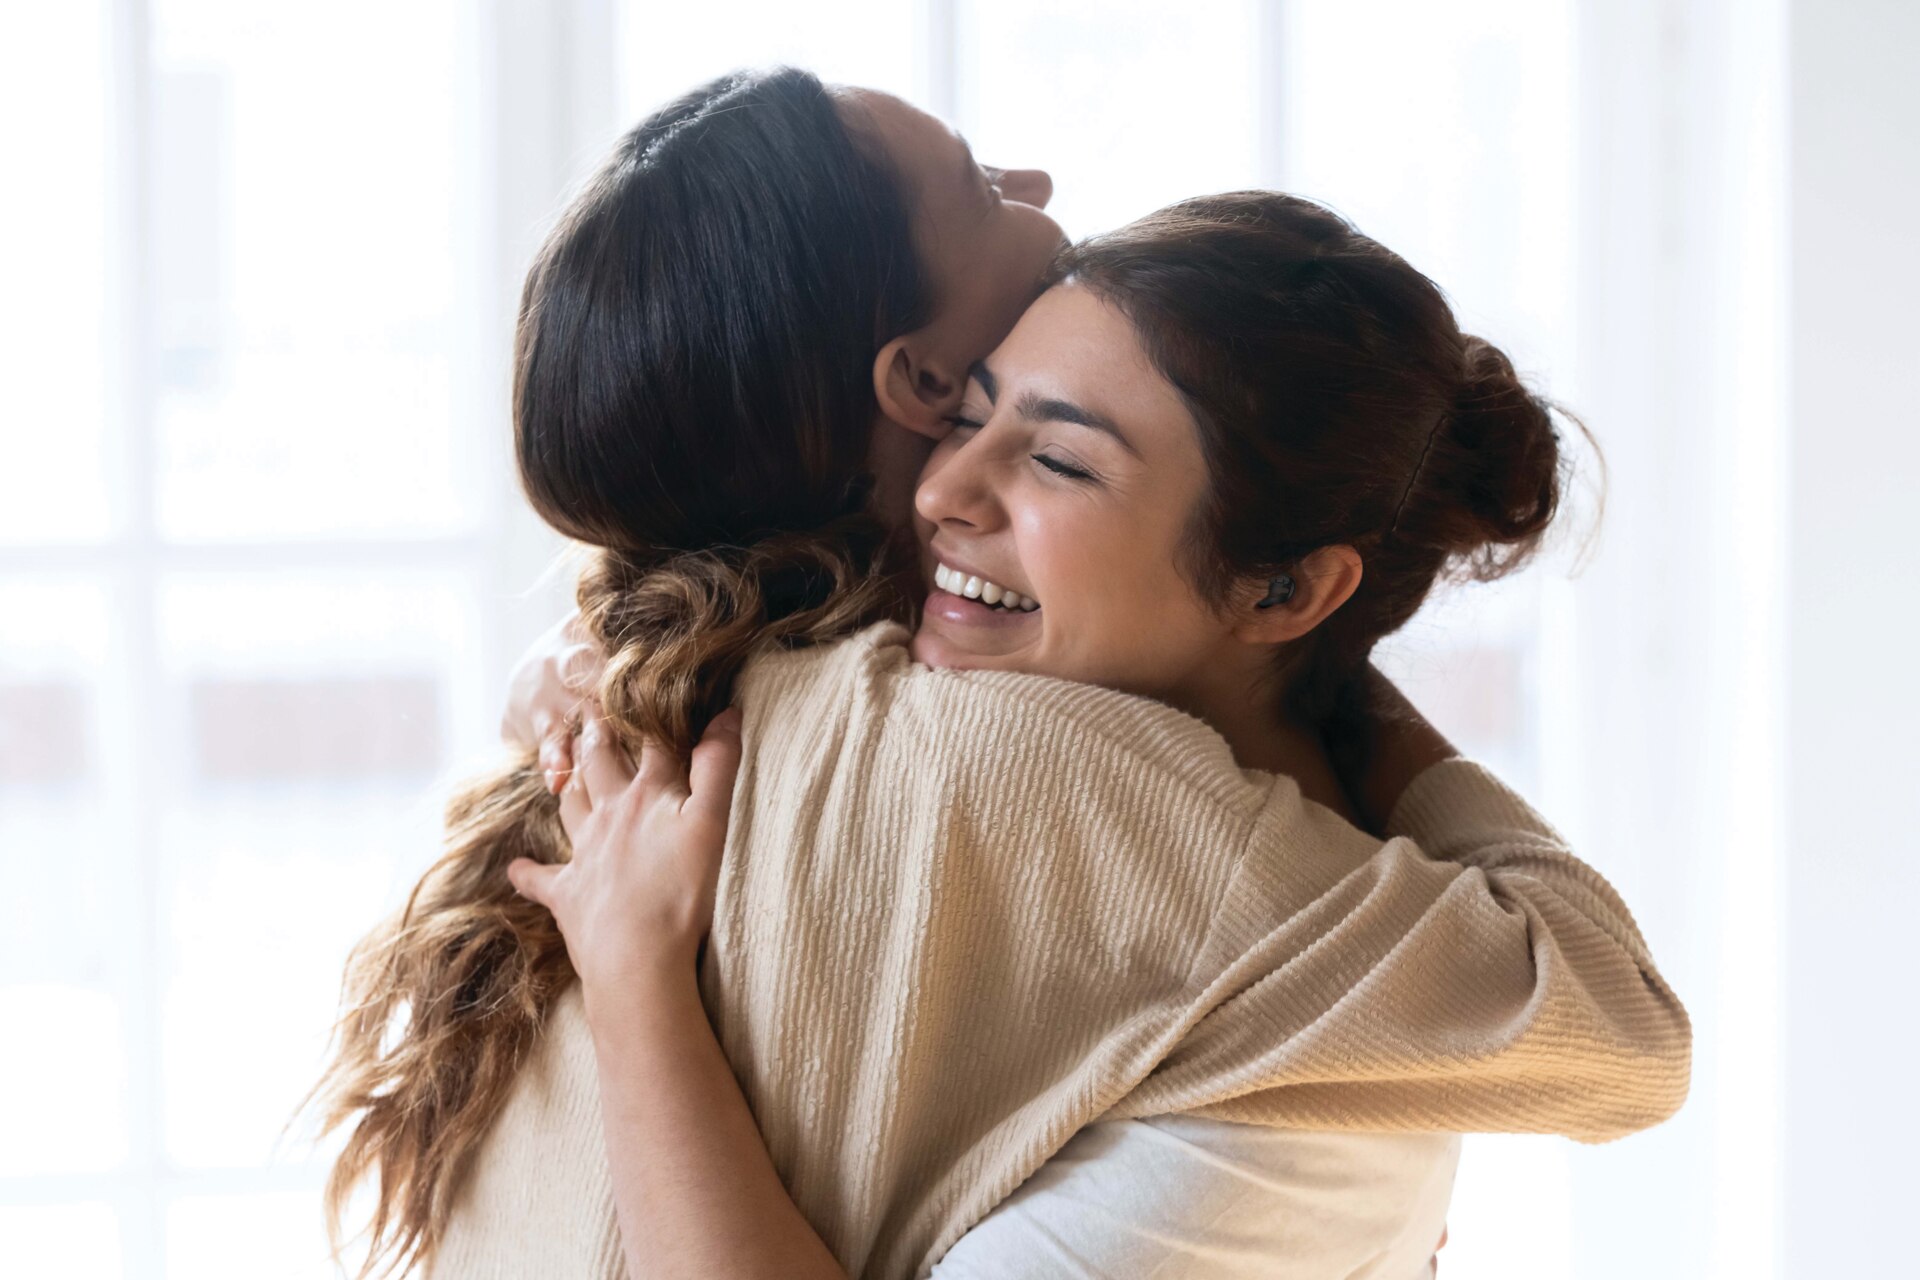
(263, 565)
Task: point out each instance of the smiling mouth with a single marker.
(990, 594)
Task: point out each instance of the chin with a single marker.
(931, 651)
(927, 651)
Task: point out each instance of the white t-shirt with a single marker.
(1186, 1198)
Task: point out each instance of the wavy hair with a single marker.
(693, 397)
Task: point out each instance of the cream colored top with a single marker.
(964, 914)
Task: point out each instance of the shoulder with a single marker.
(1070, 765)
(987, 718)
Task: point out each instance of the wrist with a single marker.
(638, 990)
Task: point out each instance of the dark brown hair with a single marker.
(1338, 402)
(693, 395)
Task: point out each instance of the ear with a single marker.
(915, 388)
(1322, 582)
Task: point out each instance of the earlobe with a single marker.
(913, 390)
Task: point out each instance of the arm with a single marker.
(696, 1193)
(1484, 979)
(694, 1189)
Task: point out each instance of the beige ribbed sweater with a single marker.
(963, 914)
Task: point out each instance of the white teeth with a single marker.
(976, 588)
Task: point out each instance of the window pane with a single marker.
(1058, 85)
(314, 713)
(62, 1105)
(668, 49)
(308, 268)
(245, 1237)
(1469, 661)
(72, 1241)
(53, 257)
(1453, 144)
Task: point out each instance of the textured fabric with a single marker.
(1182, 1198)
(964, 914)
(1172, 1197)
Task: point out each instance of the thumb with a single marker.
(532, 880)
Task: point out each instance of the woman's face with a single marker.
(983, 234)
(984, 239)
(1070, 481)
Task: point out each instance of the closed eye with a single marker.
(1060, 468)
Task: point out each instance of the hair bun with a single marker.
(1507, 447)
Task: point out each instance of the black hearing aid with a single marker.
(1279, 591)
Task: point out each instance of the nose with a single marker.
(1028, 186)
(956, 488)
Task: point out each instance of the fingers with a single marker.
(531, 880)
(575, 808)
(660, 772)
(596, 768)
(601, 764)
(556, 749)
(580, 658)
(716, 764)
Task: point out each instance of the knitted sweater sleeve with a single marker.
(1470, 974)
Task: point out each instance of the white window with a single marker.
(263, 561)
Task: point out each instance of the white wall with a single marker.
(1673, 658)
(1853, 1122)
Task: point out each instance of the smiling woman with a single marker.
(1314, 980)
(963, 915)
(1235, 388)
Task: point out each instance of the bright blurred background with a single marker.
(264, 568)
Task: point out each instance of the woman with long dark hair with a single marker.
(965, 914)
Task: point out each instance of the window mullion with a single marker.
(134, 745)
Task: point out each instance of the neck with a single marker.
(1248, 714)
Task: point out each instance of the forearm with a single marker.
(695, 1191)
(1622, 1034)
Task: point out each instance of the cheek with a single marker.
(1100, 568)
(1121, 615)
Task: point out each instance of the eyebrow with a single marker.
(1038, 408)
